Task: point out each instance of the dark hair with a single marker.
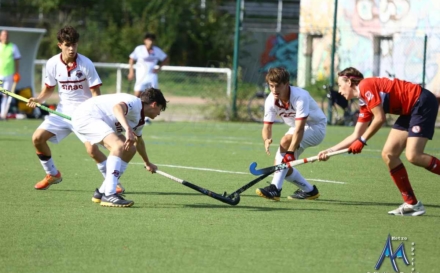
(68, 34)
(150, 36)
(351, 73)
(278, 75)
(153, 95)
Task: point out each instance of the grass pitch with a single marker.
(172, 228)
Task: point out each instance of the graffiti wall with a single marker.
(379, 37)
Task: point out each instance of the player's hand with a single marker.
(16, 77)
(357, 146)
(32, 103)
(155, 70)
(323, 155)
(289, 156)
(130, 75)
(267, 143)
(130, 139)
(150, 167)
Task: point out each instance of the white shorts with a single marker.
(7, 82)
(313, 136)
(93, 129)
(60, 127)
(148, 81)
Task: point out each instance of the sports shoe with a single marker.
(97, 196)
(409, 210)
(269, 192)
(119, 188)
(300, 194)
(48, 181)
(115, 200)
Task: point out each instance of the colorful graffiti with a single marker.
(281, 51)
(376, 36)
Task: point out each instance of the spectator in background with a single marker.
(9, 66)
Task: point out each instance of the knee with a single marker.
(412, 157)
(285, 142)
(37, 138)
(388, 157)
(92, 150)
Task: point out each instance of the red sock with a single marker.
(434, 166)
(400, 178)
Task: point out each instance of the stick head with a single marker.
(253, 167)
(235, 199)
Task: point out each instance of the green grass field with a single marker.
(172, 228)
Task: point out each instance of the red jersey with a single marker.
(395, 96)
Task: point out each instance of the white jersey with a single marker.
(101, 107)
(146, 59)
(74, 83)
(301, 106)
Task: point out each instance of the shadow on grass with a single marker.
(219, 206)
(361, 203)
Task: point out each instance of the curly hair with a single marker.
(68, 34)
(353, 74)
(153, 95)
(278, 75)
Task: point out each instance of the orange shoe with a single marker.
(48, 181)
(119, 189)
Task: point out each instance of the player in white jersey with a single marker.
(77, 81)
(103, 120)
(147, 56)
(307, 128)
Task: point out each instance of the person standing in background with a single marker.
(9, 67)
(146, 56)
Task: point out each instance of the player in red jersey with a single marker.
(417, 109)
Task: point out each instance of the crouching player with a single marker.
(103, 119)
(307, 125)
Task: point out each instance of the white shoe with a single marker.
(409, 210)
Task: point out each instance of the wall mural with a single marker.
(400, 24)
(281, 51)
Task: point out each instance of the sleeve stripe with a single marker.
(268, 122)
(91, 87)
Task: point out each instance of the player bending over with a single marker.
(103, 119)
(417, 109)
(307, 125)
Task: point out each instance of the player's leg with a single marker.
(7, 84)
(313, 136)
(391, 152)
(53, 129)
(117, 157)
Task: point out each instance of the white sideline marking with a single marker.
(223, 171)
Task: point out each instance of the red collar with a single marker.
(69, 68)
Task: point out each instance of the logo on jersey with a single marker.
(416, 129)
(72, 86)
(79, 73)
(369, 96)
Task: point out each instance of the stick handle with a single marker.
(314, 158)
(23, 99)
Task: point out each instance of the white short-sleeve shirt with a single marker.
(301, 106)
(146, 59)
(101, 108)
(74, 83)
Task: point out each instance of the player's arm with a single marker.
(140, 148)
(297, 136)
(45, 93)
(166, 61)
(266, 133)
(95, 90)
(120, 111)
(130, 69)
(378, 120)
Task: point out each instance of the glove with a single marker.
(356, 147)
(16, 77)
(289, 156)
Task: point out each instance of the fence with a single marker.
(202, 78)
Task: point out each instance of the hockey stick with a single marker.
(248, 185)
(23, 99)
(282, 166)
(231, 200)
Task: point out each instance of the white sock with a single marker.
(102, 167)
(112, 176)
(278, 176)
(49, 167)
(123, 167)
(296, 178)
